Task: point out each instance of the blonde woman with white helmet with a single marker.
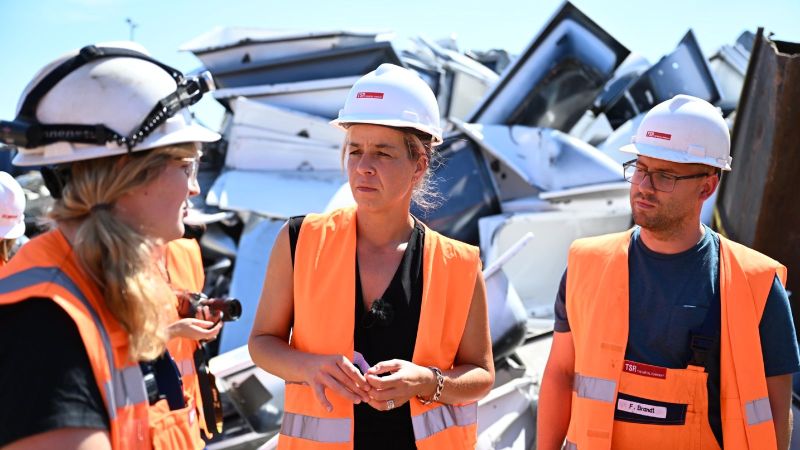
(12, 215)
(85, 302)
(377, 323)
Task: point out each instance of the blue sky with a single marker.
(35, 32)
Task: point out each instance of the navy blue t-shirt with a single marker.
(669, 297)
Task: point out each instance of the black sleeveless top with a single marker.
(387, 331)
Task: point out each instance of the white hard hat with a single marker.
(392, 96)
(684, 129)
(12, 207)
(118, 92)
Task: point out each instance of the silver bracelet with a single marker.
(439, 387)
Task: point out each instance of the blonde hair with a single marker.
(118, 257)
(419, 146)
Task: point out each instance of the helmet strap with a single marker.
(55, 178)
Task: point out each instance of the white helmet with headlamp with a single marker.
(104, 100)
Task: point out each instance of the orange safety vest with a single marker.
(46, 267)
(597, 307)
(324, 292)
(185, 268)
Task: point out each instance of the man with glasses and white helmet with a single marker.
(669, 335)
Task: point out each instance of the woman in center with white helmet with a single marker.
(377, 323)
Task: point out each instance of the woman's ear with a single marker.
(420, 168)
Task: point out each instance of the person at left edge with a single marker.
(12, 216)
(85, 303)
(183, 264)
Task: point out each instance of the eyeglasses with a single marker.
(660, 181)
(191, 169)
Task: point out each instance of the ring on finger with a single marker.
(389, 404)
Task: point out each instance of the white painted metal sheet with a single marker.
(278, 194)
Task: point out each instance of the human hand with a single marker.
(337, 373)
(205, 313)
(404, 381)
(194, 329)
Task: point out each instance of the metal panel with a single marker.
(339, 62)
(557, 77)
(759, 197)
(248, 113)
(322, 97)
(231, 47)
(263, 192)
(684, 71)
(545, 158)
(466, 189)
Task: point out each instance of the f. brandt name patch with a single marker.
(643, 410)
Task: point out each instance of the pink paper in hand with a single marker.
(360, 362)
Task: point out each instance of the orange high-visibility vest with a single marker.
(185, 268)
(597, 307)
(324, 295)
(46, 267)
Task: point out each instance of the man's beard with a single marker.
(661, 220)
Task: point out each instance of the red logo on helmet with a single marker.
(658, 135)
(364, 94)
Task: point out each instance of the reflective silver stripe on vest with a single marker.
(127, 386)
(185, 366)
(758, 411)
(435, 420)
(595, 388)
(570, 446)
(316, 428)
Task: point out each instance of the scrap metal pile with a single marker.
(529, 164)
(531, 151)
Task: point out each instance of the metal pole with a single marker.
(132, 26)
